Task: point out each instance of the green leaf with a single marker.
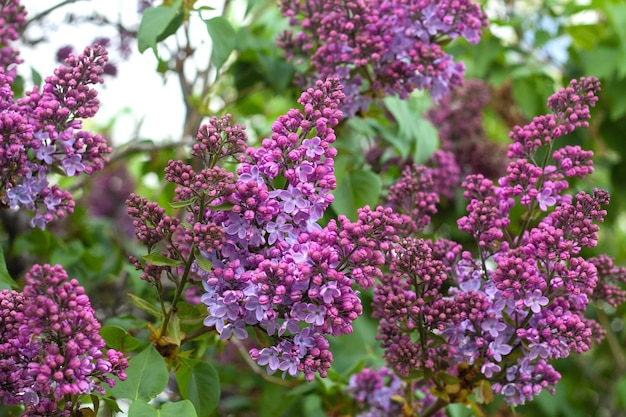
(222, 207)
(144, 305)
(616, 14)
(111, 404)
(412, 127)
(158, 259)
(68, 255)
(6, 282)
(601, 61)
(224, 37)
(119, 339)
(155, 22)
(173, 329)
(277, 72)
(312, 406)
(199, 382)
(357, 189)
(203, 262)
(147, 377)
(36, 76)
(181, 204)
(178, 409)
(427, 142)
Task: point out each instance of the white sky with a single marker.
(153, 103)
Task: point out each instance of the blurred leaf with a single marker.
(357, 189)
(312, 406)
(224, 39)
(111, 404)
(173, 329)
(616, 14)
(181, 204)
(198, 382)
(6, 282)
(277, 72)
(620, 390)
(525, 95)
(146, 306)
(36, 77)
(601, 61)
(69, 254)
(427, 142)
(147, 377)
(203, 262)
(158, 259)
(154, 23)
(412, 126)
(119, 339)
(178, 409)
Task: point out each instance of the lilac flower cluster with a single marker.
(507, 313)
(278, 270)
(50, 350)
(12, 20)
(255, 241)
(195, 191)
(381, 47)
(40, 134)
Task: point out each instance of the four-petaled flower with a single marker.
(546, 199)
(536, 300)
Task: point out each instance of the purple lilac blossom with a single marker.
(293, 278)
(41, 133)
(525, 293)
(51, 350)
(382, 47)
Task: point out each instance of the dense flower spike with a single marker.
(41, 133)
(278, 269)
(51, 350)
(381, 47)
(519, 305)
(255, 242)
(12, 20)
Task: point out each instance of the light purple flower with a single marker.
(536, 300)
(329, 292)
(73, 165)
(278, 229)
(269, 356)
(489, 368)
(289, 364)
(493, 326)
(312, 147)
(316, 314)
(498, 348)
(546, 199)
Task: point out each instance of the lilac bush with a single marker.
(249, 253)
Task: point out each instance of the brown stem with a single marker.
(49, 10)
(197, 333)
